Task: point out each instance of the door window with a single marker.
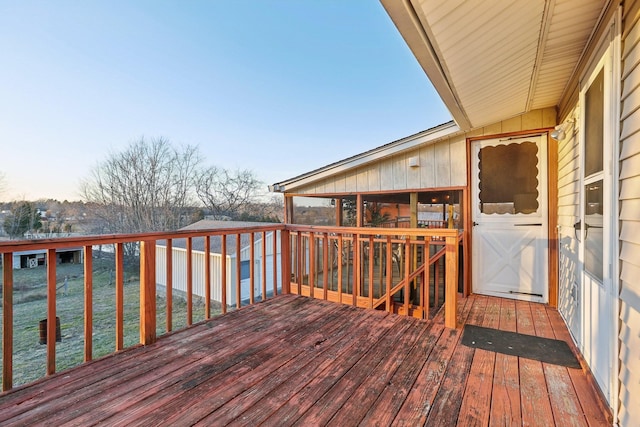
(593, 177)
(508, 179)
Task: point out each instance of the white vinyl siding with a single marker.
(442, 163)
(568, 215)
(629, 375)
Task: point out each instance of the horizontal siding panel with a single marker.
(631, 103)
(569, 199)
(630, 125)
(630, 83)
(630, 255)
(631, 57)
(630, 189)
(630, 146)
(630, 232)
(629, 357)
(630, 210)
(631, 38)
(630, 167)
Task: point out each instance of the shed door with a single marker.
(510, 225)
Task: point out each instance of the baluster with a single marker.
(238, 271)
(51, 311)
(147, 292)
(223, 272)
(189, 274)
(263, 276)
(7, 321)
(169, 290)
(88, 303)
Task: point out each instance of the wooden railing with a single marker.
(339, 264)
(376, 268)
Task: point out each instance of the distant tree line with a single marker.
(149, 186)
(154, 186)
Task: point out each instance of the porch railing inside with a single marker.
(405, 271)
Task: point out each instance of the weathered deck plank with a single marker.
(295, 360)
(505, 404)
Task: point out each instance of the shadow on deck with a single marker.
(297, 360)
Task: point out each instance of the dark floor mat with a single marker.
(528, 346)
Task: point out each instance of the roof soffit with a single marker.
(499, 58)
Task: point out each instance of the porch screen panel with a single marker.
(508, 179)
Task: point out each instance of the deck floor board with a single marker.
(296, 360)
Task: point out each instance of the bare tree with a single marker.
(147, 187)
(227, 193)
(23, 217)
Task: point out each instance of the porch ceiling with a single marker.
(496, 59)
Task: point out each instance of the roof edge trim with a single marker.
(387, 150)
(405, 18)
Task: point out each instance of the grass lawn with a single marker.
(30, 307)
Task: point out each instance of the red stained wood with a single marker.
(88, 303)
(119, 259)
(476, 403)
(51, 311)
(7, 322)
(534, 396)
(505, 400)
(147, 292)
(296, 360)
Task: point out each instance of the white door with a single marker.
(510, 223)
(595, 226)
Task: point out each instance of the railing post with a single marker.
(285, 259)
(223, 273)
(147, 292)
(207, 277)
(51, 311)
(451, 282)
(189, 281)
(7, 321)
(120, 296)
(88, 303)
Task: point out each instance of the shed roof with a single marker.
(215, 245)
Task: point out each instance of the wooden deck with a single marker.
(294, 360)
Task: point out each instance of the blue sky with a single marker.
(280, 87)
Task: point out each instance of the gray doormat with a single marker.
(545, 350)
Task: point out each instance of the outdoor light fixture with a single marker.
(559, 133)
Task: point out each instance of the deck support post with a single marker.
(147, 292)
(451, 283)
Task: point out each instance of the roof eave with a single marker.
(406, 20)
(387, 150)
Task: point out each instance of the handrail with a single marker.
(309, 251)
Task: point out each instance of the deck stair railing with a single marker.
(347, 265)
(375, 268)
